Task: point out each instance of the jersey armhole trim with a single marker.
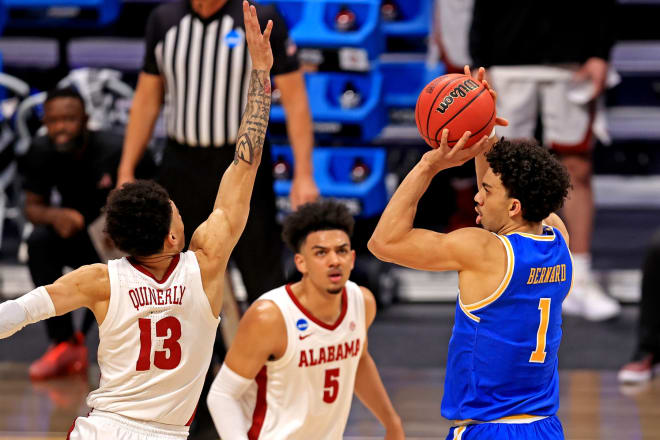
(503, 284)
(475, 318)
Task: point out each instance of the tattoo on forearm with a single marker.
(254, 123)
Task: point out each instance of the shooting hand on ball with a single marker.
(445, 156)
(481, 74)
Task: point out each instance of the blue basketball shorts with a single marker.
(546, 429)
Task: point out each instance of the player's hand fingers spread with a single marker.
(481, 74)
(467, 71)
(460, 144)
(268, 30)
(465, 154)
(501, 121)
(444, 148)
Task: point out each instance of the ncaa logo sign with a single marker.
(302, 324)
(232, 38)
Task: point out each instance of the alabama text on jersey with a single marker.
(307, 393)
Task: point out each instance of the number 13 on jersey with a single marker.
(167, 359)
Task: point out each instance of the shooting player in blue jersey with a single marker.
(501, 380)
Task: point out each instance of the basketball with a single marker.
(455, 102)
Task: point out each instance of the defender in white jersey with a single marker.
(158, 308)
(301, 349)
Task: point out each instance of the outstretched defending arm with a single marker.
(214, 239)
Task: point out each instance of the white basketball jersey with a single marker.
(307, 393)
(155, 343)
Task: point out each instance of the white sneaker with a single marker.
(589, 301)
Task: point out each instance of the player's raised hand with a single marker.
(481, 75)
(258, 43)
(445, 156)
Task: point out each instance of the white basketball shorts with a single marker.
(101, 425)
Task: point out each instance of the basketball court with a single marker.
(409, 344)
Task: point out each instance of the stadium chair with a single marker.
(123, 54)
(58, 13)
(29, 52)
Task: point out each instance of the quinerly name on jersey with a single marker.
(146, 296)
(323, 355)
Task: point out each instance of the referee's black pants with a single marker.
(48, 254)
(192, 175)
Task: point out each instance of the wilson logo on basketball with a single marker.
(459, 92)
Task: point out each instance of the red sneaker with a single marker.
(640, 369)
(60, 360)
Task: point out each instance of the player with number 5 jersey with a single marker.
(158, 308)
(301, 350)
(513, 275)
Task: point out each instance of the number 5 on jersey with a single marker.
(331, 385)
(167, 359)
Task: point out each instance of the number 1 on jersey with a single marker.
(538, 355)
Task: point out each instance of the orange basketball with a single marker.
(458, 103)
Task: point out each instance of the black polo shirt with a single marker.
(83, 181)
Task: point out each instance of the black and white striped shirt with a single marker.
(206, 67)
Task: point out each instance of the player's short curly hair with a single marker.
(318, 216)
(530, 174)
(138, 217)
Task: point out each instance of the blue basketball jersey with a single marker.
(503, 349)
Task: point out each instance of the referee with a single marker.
(198, 65)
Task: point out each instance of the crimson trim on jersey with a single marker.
(167, 274)
(259, 414)
(344, 306)
(73, 425)
(193, 415)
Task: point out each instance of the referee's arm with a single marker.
(289, 80)
(145, 108)
(301, 136)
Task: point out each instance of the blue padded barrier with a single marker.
(404, 79)
(311, 24)
(414, 21)
(332, 168)
(324, 89)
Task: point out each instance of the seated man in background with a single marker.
(81, 165)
